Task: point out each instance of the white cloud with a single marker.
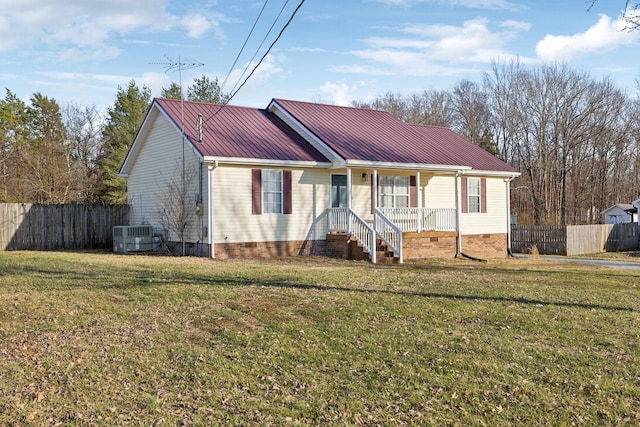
(436, 49)
(471, 4)
(338, 92)
(606, 34)
(72, 25)
(263, 73)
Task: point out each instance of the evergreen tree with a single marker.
(207, 90)
(48, 176)
(172, 92)
(14, 131)
(123, 122)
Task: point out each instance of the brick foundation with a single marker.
(270, 249)
(429, 244)
(485, 245)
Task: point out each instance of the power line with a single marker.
(261, 44)
(259, 62)
(244, 44)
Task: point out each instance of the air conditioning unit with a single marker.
(132, 238)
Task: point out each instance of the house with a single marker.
(620, 213)
(300, 178)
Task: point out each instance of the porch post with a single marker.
(508, 181)
(458, 228)
(418, 201)
(349, 193)
(374, 192)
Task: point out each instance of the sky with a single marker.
(332, 51)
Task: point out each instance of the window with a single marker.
(474, 194)
(272, 191)
(394, 191)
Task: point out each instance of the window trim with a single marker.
(258, 194)
(394, 195)
(465, 184)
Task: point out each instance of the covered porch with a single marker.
(400, 208)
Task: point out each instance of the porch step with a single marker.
(343, 246)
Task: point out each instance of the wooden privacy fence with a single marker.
(50, 227)
(574, 239)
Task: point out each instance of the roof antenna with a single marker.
(199, 125)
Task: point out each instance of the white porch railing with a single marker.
(422, 219)
(345, 220)
(388, 232)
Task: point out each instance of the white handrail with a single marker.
(422, 219)
(388, 232)
(346, 221)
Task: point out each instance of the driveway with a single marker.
(623, 265)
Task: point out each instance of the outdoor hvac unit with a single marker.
(132, 238)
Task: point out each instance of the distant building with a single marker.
(620, 213)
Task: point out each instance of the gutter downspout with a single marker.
(458, 229)
(508, 182)
(210, 213)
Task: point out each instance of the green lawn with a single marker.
(104, 339)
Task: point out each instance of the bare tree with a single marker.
(178, 205)
(84, 140)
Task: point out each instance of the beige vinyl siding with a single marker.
(495, 220)
(361, 200)
(158, 164)
(439, 191)
(234, 221)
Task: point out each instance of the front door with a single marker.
(339, 191)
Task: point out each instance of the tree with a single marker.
(473, 114)
(48, 177)
(123, 121)
(207, 90)
(203, 89)
(174, 91)
(14, 132)
(431, 107)
(83, 129)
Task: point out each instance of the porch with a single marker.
(385, 235)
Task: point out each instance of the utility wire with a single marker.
(244, 44)
(260, 46)
(224, 104)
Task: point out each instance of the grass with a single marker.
(104, 339)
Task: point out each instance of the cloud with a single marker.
(438, 49)
(263, 73)
(339, 92)
(606, 34)
(471, 4)
(78, 25)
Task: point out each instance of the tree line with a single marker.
(575, 139)
(72, 154)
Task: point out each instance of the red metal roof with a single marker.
(464, 151)
(240, 132)
(353, 133)
(377, 136)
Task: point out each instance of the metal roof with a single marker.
(378, 136)
(239, 132)
(355, 134)
(464, 151)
